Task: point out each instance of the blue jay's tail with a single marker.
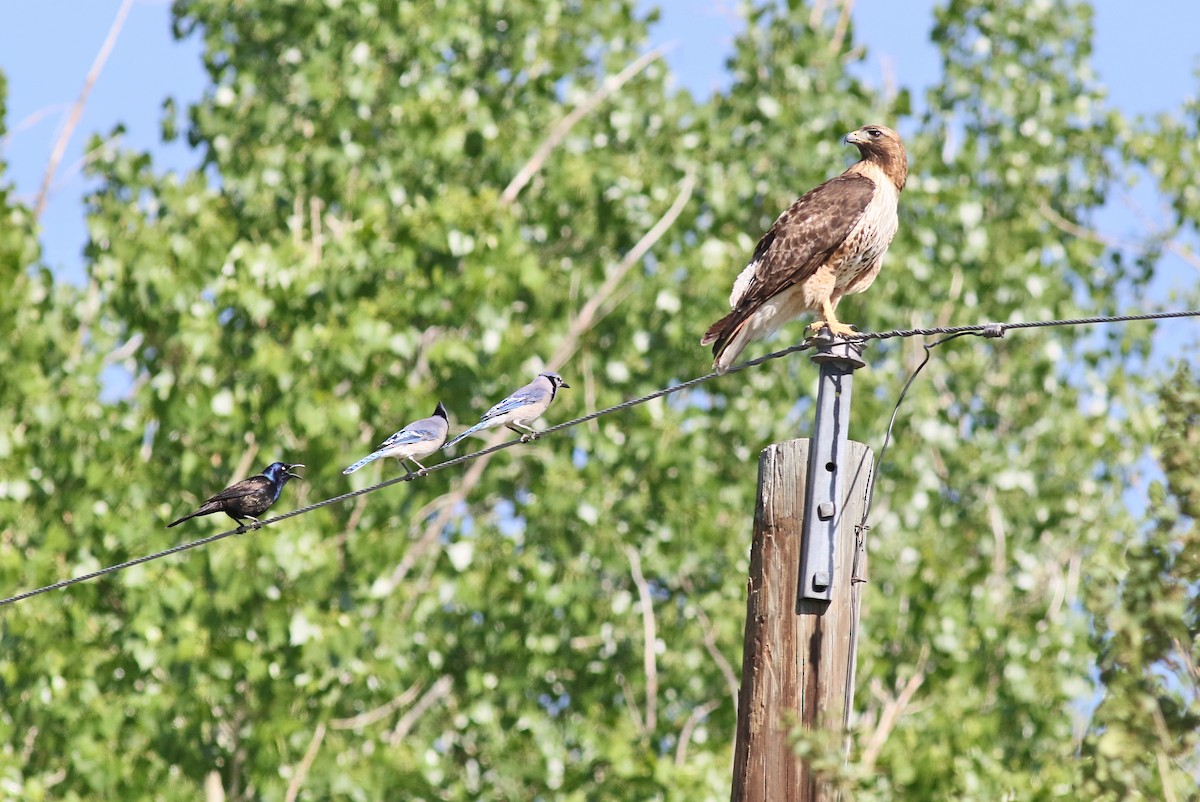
(364, 461)
(466, 434)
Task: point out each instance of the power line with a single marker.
(982, 329)
(863, 524)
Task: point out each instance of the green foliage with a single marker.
(348, 255)
(1147, 628)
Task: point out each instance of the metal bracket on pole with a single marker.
(838, 358)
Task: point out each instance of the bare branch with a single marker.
(243, 466)
(356, 514)
(29, 121)
(649, 638)
(379, 713)
(417, 589)
(1082, 232)
(591, 313)
(996, 521)
(887, 78)
(404, 726)
(318, 238)
(563, 126)
(126, 350)
(60, 146)
(843, 24)
(87, 158)
(1188, 662)
(1164, 762)
(891, 712)
(1169, 243)
(631, 703)
(817, 13)
(293, 789)
(27, 745)
(708, 632)
(213, 790)
(689, 726)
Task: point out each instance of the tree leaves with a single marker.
(347, 257)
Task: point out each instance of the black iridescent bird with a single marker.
(250, 497)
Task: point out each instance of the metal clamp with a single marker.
(824, 493)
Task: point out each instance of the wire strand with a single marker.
(863, 525)
(983, 329)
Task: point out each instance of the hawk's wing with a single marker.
(805, 237)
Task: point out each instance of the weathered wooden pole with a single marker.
(807, 565)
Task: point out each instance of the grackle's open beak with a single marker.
(294, 475)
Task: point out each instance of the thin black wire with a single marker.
(864, 525)
(1033, 324)
(983, 329)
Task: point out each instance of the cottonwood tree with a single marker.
(400, 203)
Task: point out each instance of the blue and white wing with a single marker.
(522, 398)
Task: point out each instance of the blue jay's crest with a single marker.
(521, 408)
(416, 440)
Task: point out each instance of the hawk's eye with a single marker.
(874, 132)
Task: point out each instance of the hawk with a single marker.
(829, 243)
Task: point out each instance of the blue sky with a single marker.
(47, 47)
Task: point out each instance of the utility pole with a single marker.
(807, 567)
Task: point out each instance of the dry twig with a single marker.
(404, 726)
(60, 145)
(310, 754)
(689, 726)
(563, 126)
(649, 638)
(708, 633)
(892, 710)
(379, 713)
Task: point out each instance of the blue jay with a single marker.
(250, 497)
(417, 439)
(520, 409)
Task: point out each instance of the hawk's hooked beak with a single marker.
(288, 469)
(853, 138)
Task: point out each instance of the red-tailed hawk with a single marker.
(829, 243)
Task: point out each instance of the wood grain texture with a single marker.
(798, 660)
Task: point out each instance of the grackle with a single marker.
(250, 497)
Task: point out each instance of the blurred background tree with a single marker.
(405, 202)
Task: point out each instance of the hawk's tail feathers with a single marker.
(728, 337)
(716, 330)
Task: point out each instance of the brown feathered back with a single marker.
(828, 243)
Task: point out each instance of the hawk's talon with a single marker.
(836, 328)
